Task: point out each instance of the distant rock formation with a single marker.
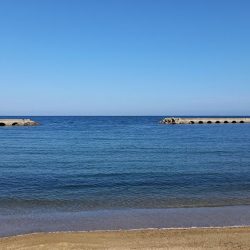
(17, 122)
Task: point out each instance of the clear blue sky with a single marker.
(124, 57)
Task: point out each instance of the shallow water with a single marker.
(74, 164)
(124, 219)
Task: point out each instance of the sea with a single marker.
(105, 173)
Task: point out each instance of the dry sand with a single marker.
(213, 238)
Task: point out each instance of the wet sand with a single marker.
(199, 238)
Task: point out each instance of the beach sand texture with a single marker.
(210, 238)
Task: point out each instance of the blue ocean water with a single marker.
(85, 163)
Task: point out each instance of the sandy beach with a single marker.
(198, 238)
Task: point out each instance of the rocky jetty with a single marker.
(17, 122)
(202, 120)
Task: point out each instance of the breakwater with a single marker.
(203, 120)
(17, 122)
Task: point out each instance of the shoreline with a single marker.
(124, 230)
(184, 238)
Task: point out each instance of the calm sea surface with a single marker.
(73, 164)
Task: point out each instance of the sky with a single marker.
(124, 57)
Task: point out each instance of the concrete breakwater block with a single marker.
(202, 120)
(17, 122)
